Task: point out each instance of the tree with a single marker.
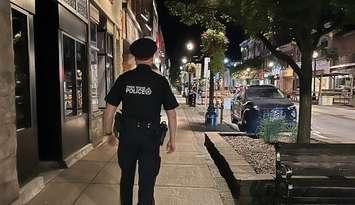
(302, 21)
(214, 44)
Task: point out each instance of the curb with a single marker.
(246, 186)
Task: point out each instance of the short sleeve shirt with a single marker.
(142, 92)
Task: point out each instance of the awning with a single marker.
(343, 65)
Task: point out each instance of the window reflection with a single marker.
(81, 65)
(94, 82)
(74, 58)
(69, 69)
(93, 66)
(22, 75)
(109, 73)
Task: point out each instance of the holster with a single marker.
(118, 125)
(163, 130)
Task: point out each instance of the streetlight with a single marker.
(190, 46)
(184, 60)
(271, 64)
(315, 56)
(226, 60)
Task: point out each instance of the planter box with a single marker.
(246, 186)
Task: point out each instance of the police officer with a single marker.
(142, 92)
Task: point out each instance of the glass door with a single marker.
(27, 151)
(75, 130)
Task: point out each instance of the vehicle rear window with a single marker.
(264, 92)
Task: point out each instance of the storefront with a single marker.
(61, 34)
(344, 82)
(54, 97)
(105, 55)
(131, 31)
(286, 80)
(22, 13)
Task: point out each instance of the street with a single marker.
(333, 124)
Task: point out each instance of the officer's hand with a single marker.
(112, 140)
(170, 147)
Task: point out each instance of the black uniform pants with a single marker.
(142, 146)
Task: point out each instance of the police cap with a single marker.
(143, 48)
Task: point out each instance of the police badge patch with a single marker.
(138, 90)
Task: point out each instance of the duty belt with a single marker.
(147, 125)
(141, 123)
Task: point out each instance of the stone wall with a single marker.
(9, 187)
(96, 129)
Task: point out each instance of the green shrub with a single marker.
(272, 130)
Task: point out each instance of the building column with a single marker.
(9, 187)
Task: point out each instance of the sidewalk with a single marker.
(184, 178)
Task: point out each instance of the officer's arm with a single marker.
(108, 118)
(172, 122)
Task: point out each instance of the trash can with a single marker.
(211, 117)
(192, 100)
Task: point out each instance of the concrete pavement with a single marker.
(185, 177)
(333, 124)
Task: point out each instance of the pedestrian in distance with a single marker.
(142, 93)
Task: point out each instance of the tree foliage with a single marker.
(191, 12)
(301, 21)
(191, 68)
(214, 45)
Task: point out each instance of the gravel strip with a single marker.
(256, 152)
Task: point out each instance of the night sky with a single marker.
(177, 34)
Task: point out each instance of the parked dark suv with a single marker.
(253, 103)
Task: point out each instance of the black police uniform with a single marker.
(142, 93)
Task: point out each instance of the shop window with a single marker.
(79, 5)
(93, 34)
(101, 42)
(109, 46)
(109, 73)
(22, 74)
(74, 61)
(94, 80)
(80, 71)
(109, 63)
(105, 66)
(101, 88)
(69, 68)
(93, 66)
